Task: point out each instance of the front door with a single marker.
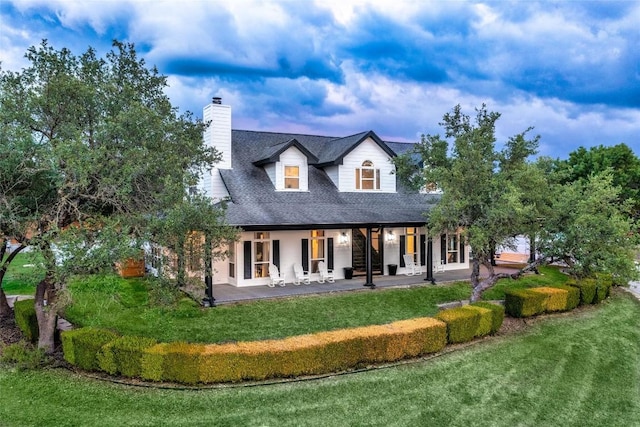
(359, 251)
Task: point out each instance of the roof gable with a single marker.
(336, 149)
(271, 154)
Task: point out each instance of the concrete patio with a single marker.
(227, 294)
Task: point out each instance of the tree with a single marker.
(624, 165)
(111, 150)
(484, 192)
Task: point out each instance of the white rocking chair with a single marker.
(301, 276)
(439, 267)
(275, 276)
(411, 266)
(325, 274)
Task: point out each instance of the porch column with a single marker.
(369, 282)
(429, 249)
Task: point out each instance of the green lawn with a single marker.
(122, 305)
(549, 276)
(22, 275)
(577, 369)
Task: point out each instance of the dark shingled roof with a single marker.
(255, 204)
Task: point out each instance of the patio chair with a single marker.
(438, 267)
(412, 267)
(325, 274)
(275, 276)
(301, 276)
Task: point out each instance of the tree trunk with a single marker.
(46, 313)
(5, 310)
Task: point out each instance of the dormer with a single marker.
(287, 165)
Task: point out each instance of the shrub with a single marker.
(462, 324)
(294, 356)
(25, 315)
(485, 320)
(81, 346)
(23, 355)
(497, 314)
(603, 287)
(124, 355)
(524, 302)
(573, 296)
(556, 298)
(587, 289)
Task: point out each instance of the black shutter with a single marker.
(423, 249)
(276, 253)
(247, 259)
(461, 249)
(403, 244)
(305, 254)
(443, 249)
(330, 253)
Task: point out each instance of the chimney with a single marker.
(217, 135)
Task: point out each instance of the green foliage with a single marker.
(81, 346)
(25, 314)
(573, 296)
(485, 322)
(23, 356)
(124, 355)
(497, 314)
(462, 323)
(164, 293)
(588, 288)
(549, 276)
(524, 302)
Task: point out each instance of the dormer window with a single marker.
(367, 176)
(292, 177)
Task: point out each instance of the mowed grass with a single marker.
(23, 275)
(122, 305)
(549, 276)
(576, 369)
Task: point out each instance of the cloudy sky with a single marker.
(570, 69)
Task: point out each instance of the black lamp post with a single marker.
(208, 300)
(429, 275)
(369, 283)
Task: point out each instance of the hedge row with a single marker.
(325, 352)
(24, 312)
(533, 301)
(471, 321)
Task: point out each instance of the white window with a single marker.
(317, 249)
(292, 177)
(411, 243)
(367, 176)
(232, 260)
(261, 254)
(452, 248)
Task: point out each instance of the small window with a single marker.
(367, 177)
(292, 177)
(232, 260)
(261, 254)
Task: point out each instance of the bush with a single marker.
(524, 302)
(603, 287)
(81, 346)
(587, 289)
(497, 314)
(124, 355)
(485, 320)
(462, 323)
(25, 315)
(573, 296)
(319, 353)
(556, 298)
(23, 355)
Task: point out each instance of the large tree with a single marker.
(111, 150)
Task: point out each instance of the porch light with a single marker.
(390, 237)
(343, 239)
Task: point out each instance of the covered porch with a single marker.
(228, 294)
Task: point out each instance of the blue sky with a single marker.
(570, 69)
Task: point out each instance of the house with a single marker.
(303, 199)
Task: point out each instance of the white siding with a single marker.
(334, 174)
(367, 150)
(217, 135)
(270, 169)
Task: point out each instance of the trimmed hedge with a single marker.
(81, 346)
(573, 296)
(604, 282)
(497, 314)
(24, 312)
(588, 289)
(319, 353)
(462, 323)
(524, 302)
(556, 298)
(484, 322)
(124, 355)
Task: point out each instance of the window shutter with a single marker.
(330, 253)
(443, 249)
(377, 179)
(276, 253)
(247, 259)
(305, 254)
(423, 249)
(461, 249)
(403, 244)
(357, 179)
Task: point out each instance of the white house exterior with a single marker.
(301, 199)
